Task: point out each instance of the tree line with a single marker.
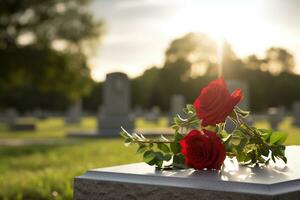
(44, 48)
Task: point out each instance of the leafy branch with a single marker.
(157, 150)
(249, 145)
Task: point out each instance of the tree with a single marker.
(196, 48)
(44, 45)
(279, 60)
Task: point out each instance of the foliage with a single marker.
(249, 145)
(44, 46)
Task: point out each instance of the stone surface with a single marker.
(274, 117)
(74, 113)
(296, 113)
(11, 115)
(12, 123)
(115, 110)
(177, 104)
(233, 182)
(153, 115)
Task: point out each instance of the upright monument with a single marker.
(116, 106)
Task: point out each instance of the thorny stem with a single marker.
(153, 141)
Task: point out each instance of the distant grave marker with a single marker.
(74, 113)
(116, 105)
(296, 113)
(14, 125)
(153, 115)
(115, 110)
(177, 103)
(274, 117)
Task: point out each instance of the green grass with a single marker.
(51, 128)
(47, 172)
(285, 126)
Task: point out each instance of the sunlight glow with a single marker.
(242, 24)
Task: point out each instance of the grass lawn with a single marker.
(46, 172)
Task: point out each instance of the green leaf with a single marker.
(278, 137)
(241, 112)
(175, 147)
(264, 150)
(190, 107)
(163, 138)
(125, 134)
(178, 136)
(159, 156)
(163, 147)
(128, 141)
(149, 156)
(241, 157)
(159, 164)
(284, 159)
(142, 148)
(178, 161)
(265, 134)
(167, 157)
(235, 140)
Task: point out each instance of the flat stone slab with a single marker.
(22, 127)
(141, 181)
(147, 132)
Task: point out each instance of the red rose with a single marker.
(215, 102)
(203, 150)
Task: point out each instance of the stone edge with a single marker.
(227, 186)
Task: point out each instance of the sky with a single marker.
(137, 32)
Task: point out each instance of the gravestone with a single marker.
(11, 117)
(177, 104)
(153, 115)
(244, 104)
(115, 110)
(14, 125)
(233, 181)
(296, 113)
(116, 106)
(40, 114)
(74, 113)
(138, 112)
(274, 117)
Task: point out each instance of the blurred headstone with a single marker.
(40, 114)
(13, 125)
(11, 116)
(74, 113)
(296, 113)
(115, 111)
(244, 104)
(153, 115)
(282, 112)
(274, 117)
(177, 104)
(138, 112)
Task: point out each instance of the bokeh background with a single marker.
(54, 53)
